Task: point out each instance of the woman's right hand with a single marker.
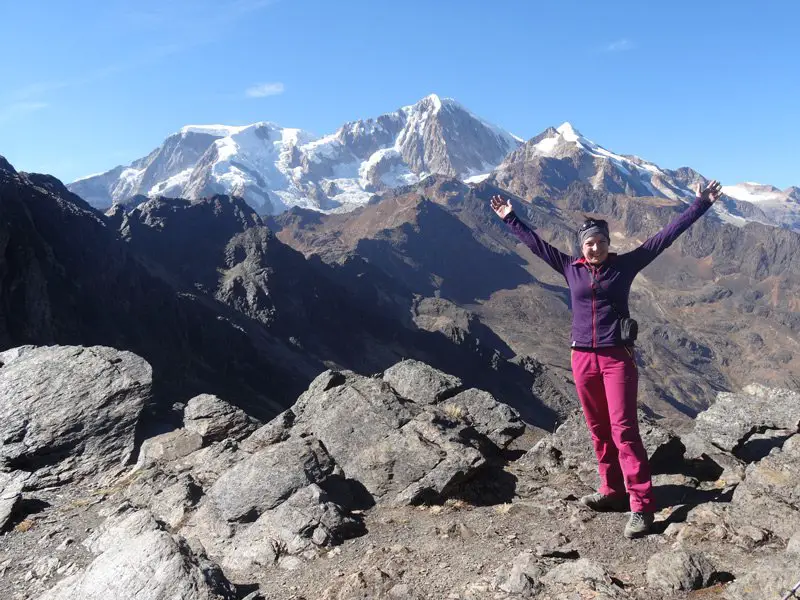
(501, 207)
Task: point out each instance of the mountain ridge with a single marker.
(275, 168)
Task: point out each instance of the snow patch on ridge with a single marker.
(218, 130)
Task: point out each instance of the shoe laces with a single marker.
(637, 518)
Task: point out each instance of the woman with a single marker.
(603, 365)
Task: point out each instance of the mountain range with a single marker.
(422, 270)
(275, 168)
(214, 301)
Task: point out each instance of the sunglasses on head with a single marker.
(594, 223)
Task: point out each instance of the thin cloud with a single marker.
(263, 90)
(195, 21)
(621, 45)
(18, 110)
(31, 94)
(190, 16)
(191, 24)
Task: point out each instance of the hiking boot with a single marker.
(602, 503)
(638, 525)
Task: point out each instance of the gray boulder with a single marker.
(247, 504)
(697, 447)
(138, 559)
(304, 522)
(400, 451)
(769, 496)
(266, 479)
(421, 382)
(581, 578)
(61, 402)
(11, 486)
(168, 496)
(213, 419)
(735, 416)
(168, 447)
(678, 571)
(544, 458)
(275, 431)
(521, 577)
(498, 422)
(769, 577)
(208, 464)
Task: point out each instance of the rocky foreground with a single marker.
(399, 485)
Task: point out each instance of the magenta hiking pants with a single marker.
(607, 380)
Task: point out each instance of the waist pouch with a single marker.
(629, 330)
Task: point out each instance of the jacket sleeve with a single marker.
(550, 254)
(650, 249)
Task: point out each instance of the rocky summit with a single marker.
(403, 484)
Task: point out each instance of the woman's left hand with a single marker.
(711, 193)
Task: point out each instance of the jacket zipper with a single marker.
(594, 328)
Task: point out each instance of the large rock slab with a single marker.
(208, 464)
(400, 451)
(735, 416)
(498, 422)
(168, 447)
(769, 496)
(213, 419)
(70, 401)
(273, 432)
(267, 478)
(305, 522)
(138, 559)
(421, 382)
(11, 487)
(169, 497)
(769, 577)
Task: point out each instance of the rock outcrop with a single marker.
(398, 485)
(138, 559)
(70, 411)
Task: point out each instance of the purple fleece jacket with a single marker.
(595, 324)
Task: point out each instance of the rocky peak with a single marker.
(5, 165)
(430, 103)
(187, 238)
(568, 132)
(433, 103)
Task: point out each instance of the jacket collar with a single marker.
(582, 260)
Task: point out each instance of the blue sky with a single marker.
(87, 85)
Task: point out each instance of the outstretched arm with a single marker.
(551, 255)
(647, 252)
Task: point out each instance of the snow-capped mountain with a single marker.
(780, 208)
(630, 175)
(604, 169)
(274, 168)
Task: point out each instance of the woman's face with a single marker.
(595, 249)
